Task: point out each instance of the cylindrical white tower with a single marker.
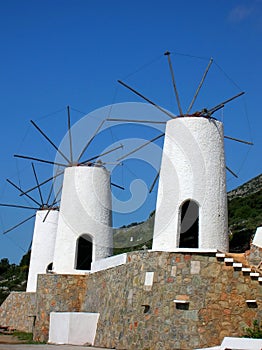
(191, 207)
(43, 245)
(84, 231)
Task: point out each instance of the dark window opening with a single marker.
(189, 228)
(84, 251)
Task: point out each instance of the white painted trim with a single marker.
(108, 263)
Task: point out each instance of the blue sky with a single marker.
(56, 53)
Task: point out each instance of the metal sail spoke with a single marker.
(37, 182)
(222, 104)
(117, 186)
(19, 189)
(42, 183)
(100, 155)
(142, 146)
(174, 82)
(89, 141)
(50, 192)
(239, 140)
(147, 99)
(53, 203)
(70, 134)
(39, 160)
(17, 206)
(200, 85)
(154, 182)
(50, 141)
(231, 171)
(19, 224)
(135, 121)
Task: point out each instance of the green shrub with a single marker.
(255, 331)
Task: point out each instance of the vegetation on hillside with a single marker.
(244, 216)
(13, 277)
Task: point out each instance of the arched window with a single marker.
(84, 250)
(189, 225)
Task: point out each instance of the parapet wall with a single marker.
(136, 301)
(18, 311)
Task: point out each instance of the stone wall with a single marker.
(18, 311)
(137, 308)
(57, 293)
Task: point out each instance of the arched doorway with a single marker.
(84, 250)
(189, 225)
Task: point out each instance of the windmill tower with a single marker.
(44, 235)
(84, 229)
(84, 232)
(191, 210)
(43, 243)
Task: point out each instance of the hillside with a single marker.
(244, 216)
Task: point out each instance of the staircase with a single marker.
(252, 271)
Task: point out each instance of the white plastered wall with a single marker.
(193, 167)
(75, 328)
(85, 210)
(258, 237)
(43, 245)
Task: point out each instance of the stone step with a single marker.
(220, 255)
(246, 269)
(237, 264)
(260, 279)
(228, 260)
(254, 274)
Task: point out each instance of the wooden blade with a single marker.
(221, 105)
(19, 189)
(135, 121)
(54, 202)
(147, 99)
(174, 82)
(115, 185)
(154, 182)
(101, 155)
(89, 142)
(231, 171)
(50, 141)
(17, 206)
(200, 85)
(238, 140)
(39, 160)
(37, 183)
(19, 224)
(42, 183)
(144, 145)
(69, 133)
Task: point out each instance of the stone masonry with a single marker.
(18, 311)
(136, 301)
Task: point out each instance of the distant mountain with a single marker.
(248, 188)
(244, 216)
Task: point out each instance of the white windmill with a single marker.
(84, 231)
(191, 209)
(44, 235)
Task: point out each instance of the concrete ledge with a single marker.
(188, 250)
(108, 263)
(74, 328)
